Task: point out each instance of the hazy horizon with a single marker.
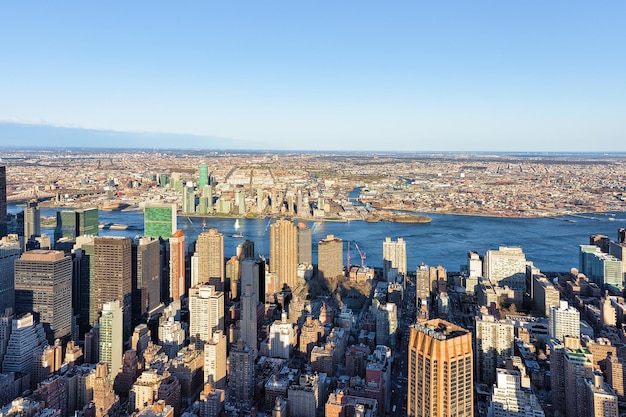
(325, 76)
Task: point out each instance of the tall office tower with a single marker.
(330, 257)
(600, 398)
(493, 346)
(113, 276)
(32, 220)
(245, 250)
(422, 284)
(215, 360)
(241, 381)
(570, 365)
(509, 399)
(3, 201)
(248, 324)
(203, 175)
(104, 398)
(253, 273)
(189, 199)
(281, 338)
(27, 341)
(43, 286)
(284, 253)
(10, 251)
(564, 321)
(506, 267)
(440, 381)
(210, 248)
(146, 260)
(206, 313)
(304, 244)
(603, 269)
(159, 220)
(177, 266)
(111, 336)
(394, 256)
(73, 223)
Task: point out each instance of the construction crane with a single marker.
(362, 254)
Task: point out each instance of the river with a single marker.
(550, 243)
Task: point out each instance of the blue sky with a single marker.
(322, 75)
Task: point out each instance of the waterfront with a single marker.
(550, 243)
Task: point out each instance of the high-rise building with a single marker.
(440, 381)
(215, 360)
(506, 267)
(111, 337)
(603, 269)
(32, 220)
(203, 174)
(330, 257)
(509, 399)
(284, 253)
(10, 250)
(146, 260)
(304, 244)
(493, 345)
(281, 338)
(159, 220)
(177, 266)
(394, 256)
(248, 323)
(74, 223)
(210, 248)
(564, 321)
(113, 272)
(43, 286)
(601, 400)
(241, 381)
(253, 273)
(3, 201)
(206, 313)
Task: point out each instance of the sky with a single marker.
(316, 75)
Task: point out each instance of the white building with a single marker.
(564, 321)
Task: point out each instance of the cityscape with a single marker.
(114, 319)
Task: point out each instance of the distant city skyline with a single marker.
(348, 76)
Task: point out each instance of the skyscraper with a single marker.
(73, 223)
(210, 248)
(113, 276)
(3, 201)
(43, 286)
(241, 379)
(146, 286)
(248, 324)
(494, 344)
(330, 257)
(32, 220)
(394, 256)
(10, 251)
(304, 244)
(206, 313)
(159, 220)
(177, 266)
(440, 381)
(111, 337)
(284, 253)
(203, 172)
